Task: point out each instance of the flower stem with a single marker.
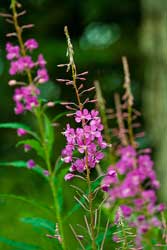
(74, 77)
(130, 98)
(51, 179)
(38, 114)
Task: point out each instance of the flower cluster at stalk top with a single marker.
(85, 143)
(133, 181)
(21, 62)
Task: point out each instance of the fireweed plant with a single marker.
(119, 205)
(131, 181)
(28, 73)
(84, 151)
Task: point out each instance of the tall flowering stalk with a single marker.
(86, 139)
(135, 183)
(26, 98)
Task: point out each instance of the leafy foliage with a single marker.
(26, 200)
(49, 133)
(19, 245)
(34, 144)
(40, 222)
(15, 125)
(23, 164)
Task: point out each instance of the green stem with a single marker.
(51, 179)
(90, 197)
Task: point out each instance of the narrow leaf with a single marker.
(58, 165)
(17, 164)
(57, 117)
(19, 245)
(34, 145)
(16, 125)
(23, 164)
(40, 222)
(26, 200)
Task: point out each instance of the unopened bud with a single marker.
(12, 82)
(50, 104)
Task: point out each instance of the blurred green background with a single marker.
(102, 32)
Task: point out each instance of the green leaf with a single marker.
(19, 245)
(74, 209)
(23, 164)
(96, 183)
(58, 165)
(16, 125)
(17, 164)
(43, 224)
(34, 145)
(49, 133)
(40, 222)
(26, 200)
(57, 117)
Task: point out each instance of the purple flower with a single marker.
(109, 179)
(70, 134)
(149, 196)
(94, 114)
(31, 164)
(161, 207)
(27, 147)
(25, 98)
(41, 61)
(68, 177)
(86, 140)
(13, 52)
(21, 65)
(31, 44)
(21, 132)
(126, 210)
(145, 162)
(46, 172)
(141, 218)
(42, 75)
(82, 115)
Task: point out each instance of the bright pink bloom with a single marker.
(21, 65)
(68, 177)
(87, 138)
(42, 75)
(31, 164)
(82, 115)
(31, 44)
(41, 61)
(27, 147)
(25, 98)
(13, 52)
(21, 132)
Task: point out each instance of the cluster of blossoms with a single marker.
(86, 140)
(132, 181)
(26, 97)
